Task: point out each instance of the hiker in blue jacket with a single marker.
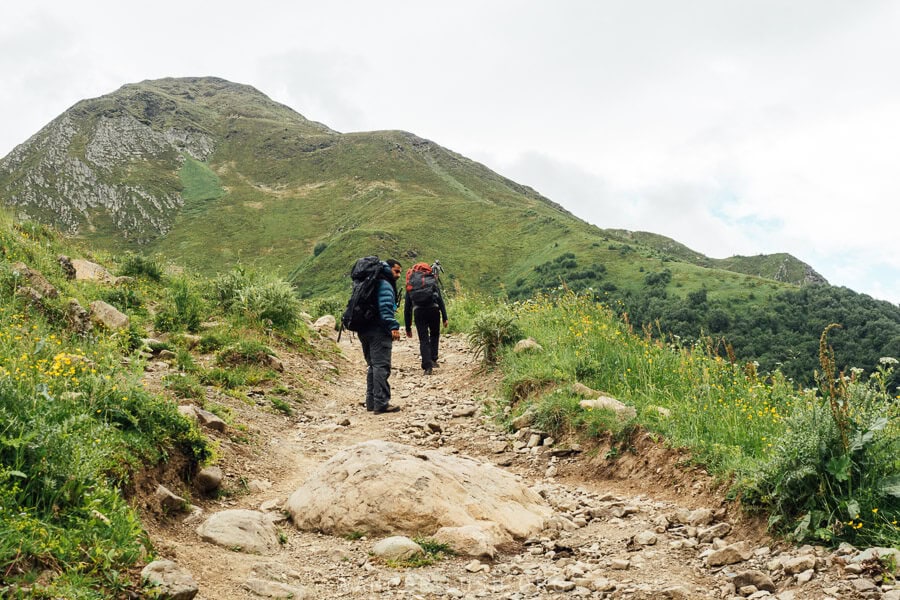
(378, 338)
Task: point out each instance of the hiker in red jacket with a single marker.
(424, 305)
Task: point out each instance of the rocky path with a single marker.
(653, 535)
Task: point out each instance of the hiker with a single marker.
(425, 304)
(377, 340)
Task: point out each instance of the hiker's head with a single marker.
(396, 269)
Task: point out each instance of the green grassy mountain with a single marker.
(210, 173)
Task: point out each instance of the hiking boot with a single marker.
(428, 371)
(389, 409)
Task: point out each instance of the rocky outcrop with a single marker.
(78, 186)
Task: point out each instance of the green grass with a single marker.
(200, 186)
(76, 423)
(745, 427)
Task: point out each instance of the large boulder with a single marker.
(86, 270)
(108, 316)
(380, 487)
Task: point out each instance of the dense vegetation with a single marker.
(823, 463)
(77, 423)
(777, 328)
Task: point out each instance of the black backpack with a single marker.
(362, 307)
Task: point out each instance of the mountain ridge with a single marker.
(112, 169)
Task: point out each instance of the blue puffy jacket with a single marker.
(387, 299)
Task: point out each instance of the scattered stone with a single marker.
(397, 547)
(719, 530)
(470, 540)
(730, 555)
(169, 580)
(169, 501)
(464, 411)
(798, 564)
(756, 578)
(477, 567)
(108, 316)
(325, 324)
(579, 389)
(85, 270)
(622, 411)
(527, 345)
(241, 530)
(36, 280)
(275, 589)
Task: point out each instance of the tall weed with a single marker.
(835, 474)
(265, 298)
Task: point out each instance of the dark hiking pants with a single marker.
(428, 326)
(376, 346)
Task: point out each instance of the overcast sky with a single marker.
(732, 126)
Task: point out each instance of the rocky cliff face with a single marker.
(74, 173)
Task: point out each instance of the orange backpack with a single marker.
(421, 285)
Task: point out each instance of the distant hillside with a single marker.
(780, 267)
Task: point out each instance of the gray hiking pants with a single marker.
(376, 346)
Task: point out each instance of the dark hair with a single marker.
(391, 262)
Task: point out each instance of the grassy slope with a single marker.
(279, 184)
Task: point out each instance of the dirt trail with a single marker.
(266, 455)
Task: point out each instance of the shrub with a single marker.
(273, 301)
(332, 305)
(124, 298)
(137, 265)
(245, 352)
(259, 297)
(834, 471)
(492, 330)
(184, 386)
(183, 308)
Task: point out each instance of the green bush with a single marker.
(835, 471)
(492, 330)
(230, 379)
(183, 308)
(125, 298)
(259, 297)
(245, 352)
(273, 301)
(332, 305)
(138, 265)
(210, 342)
(184, 386)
